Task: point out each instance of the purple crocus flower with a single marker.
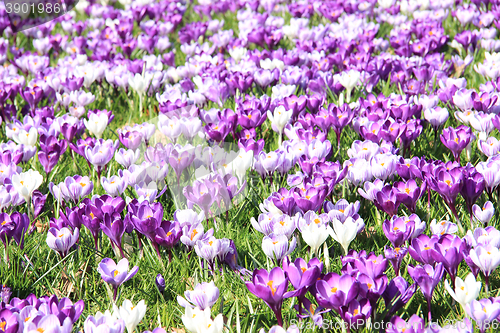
(398, 230)
(334, 291)
(449, 251)
(397, 294)
(484, 214)
(387, 201)
(414, 325)
(103, 324)
(302, 276)
(13, 226)
(168, 235)
(160, 283)
(356, 313)
(62, 240)
(487, 258)
(456, 139)
(145, 218)
(395, 256)
(9, 321)
(101, 154)
(427, 278)
(408, 193)
(422, 247)
(270, 287)
(116, 274)
(276, 247)
(50, 151)
(473, 186)
(203, 296)
(483, 312)
(448, 183)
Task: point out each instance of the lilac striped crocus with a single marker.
(116, 274)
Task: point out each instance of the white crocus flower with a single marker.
(237, 53)
(199, 321)
(316, 234)
(344, 233)
(140, 83)
(97, 123)
(242, 163)
(385, 3)
(26, 183)
(279, 120)
(465, 291)
(27, 138)
(130, 313)
(349, 80)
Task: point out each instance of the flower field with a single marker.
(249, 166)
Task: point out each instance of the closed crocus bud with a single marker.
(131, 314)
(197, 321)
(97, 123)
(349, 79)
(242, 163)
(279, 118)
(62, 240)
(160, 283)
(344, 233)
(465, 290)
(315, 233)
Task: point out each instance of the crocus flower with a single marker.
(115, 274)
(270, 287)
(315, 233)
(168, 234)
(427, 278)
(62, 240)
(483, 312)
(13, 226)
(200, 321)
(349, 79)
(449, 251)
(279, 119)
(397, 294)
(103, 324)
(160, 283)
(465, 290)
(456, 139)
(203, 296)
(276, 247)
(101, 154)
(487, 258)
(131, 314)
(26, 183)
(334, 291)
(414, 325)
(484, 214)
(9, 321)
(302, 275)
(344, 233)
(50, 323)
(97, 123)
